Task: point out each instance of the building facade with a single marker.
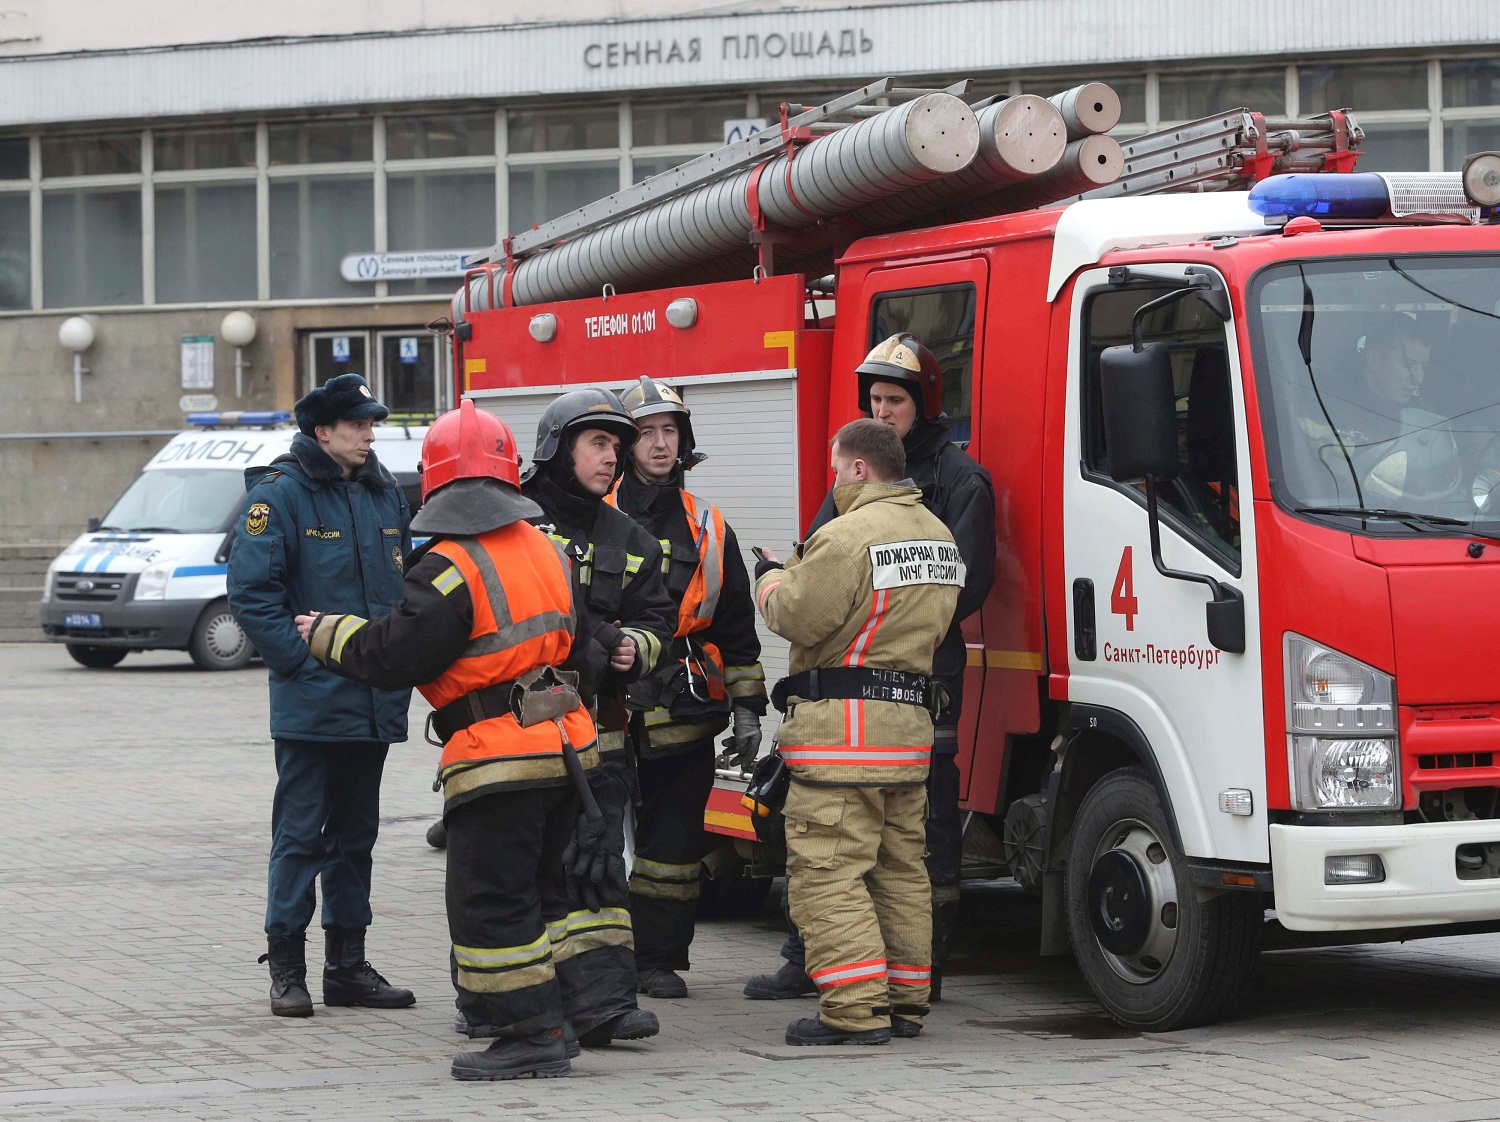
(161, 169)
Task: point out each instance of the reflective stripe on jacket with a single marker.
(523, 619)
(876, 587)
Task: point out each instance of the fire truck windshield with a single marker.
(1379, 382)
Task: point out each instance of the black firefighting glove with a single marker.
(613, 790)
(743, 744)
(585, 858)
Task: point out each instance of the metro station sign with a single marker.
(359, 267)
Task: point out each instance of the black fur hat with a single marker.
(345, 398)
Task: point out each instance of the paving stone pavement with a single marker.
(133, 834)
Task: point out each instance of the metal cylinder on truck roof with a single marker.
(1088, 109)
(926, 138)
(1019, 137)
(1091, 162)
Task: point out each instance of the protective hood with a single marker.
(467, 507)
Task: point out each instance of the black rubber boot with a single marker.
(437, 835)
(545, 1057)
(944, 920)
(349, 979)
(790, 981)
(634, 1025)
(658, 981)
(812, 1030)
(287, 955)
(484, 1032)
(905, 1028)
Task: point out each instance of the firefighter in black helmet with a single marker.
(710, 675)
(901, 384)
(626, 620)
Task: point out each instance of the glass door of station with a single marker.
(408, 368)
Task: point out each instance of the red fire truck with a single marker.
(1233, 687)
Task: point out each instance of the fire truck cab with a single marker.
(1231, 688)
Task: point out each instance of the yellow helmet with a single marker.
(904, 361)
(648, 398)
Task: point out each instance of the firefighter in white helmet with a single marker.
(710, 677)
(901, 385)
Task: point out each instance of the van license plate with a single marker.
(82, 619)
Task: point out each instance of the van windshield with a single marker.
(1379, 382)
(178, 501)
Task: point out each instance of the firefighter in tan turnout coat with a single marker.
(864, 604)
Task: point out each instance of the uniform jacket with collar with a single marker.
(958, 490)
(310, 540)
(876, 587)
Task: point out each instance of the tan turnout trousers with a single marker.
(860, 896)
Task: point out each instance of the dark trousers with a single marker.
(508, 908)
(668, 854)
(944, 851)
(324, 821)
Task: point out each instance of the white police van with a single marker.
(151, 574)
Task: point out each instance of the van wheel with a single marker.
(218, 642)
(1156, 956)
(96, 658)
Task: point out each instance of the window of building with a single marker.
(683, 122)
(315, 221)
(548, 190)
(558, 130)
(205, 242)
(15, 157)
(430, 210)
(115, 154)
(1471, 81)
(1186, 97)
(332, 141)
(1394, 146)
(943, 318)
(195, 149)
(1463, 138)
(93, 244)
(1368, 87)
(15, 251)
(440, 136)
(1203, 501)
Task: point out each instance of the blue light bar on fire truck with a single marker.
(1369, 195)
(262, 419)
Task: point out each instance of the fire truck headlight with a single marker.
(152, 584)
(1344, 774)
(1342, 733)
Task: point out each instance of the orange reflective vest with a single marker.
(701, 600)
(522, 620)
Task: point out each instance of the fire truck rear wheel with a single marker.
(731, 895)
(1156, 956)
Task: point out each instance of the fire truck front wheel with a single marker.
(1156, 956)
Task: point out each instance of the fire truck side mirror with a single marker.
(1139, 401)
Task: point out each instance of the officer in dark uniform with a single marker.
(626, 620)
(712, 672)
(900, 384)
(324, 525)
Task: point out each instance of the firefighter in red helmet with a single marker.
(710, 678)
(485, 625)
(901, 385)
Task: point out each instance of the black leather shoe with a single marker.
(349, 979)
(545, 1057)
(904, 1028)
(657, 981)
(634, 1025)
(437, 835)
(812, 1030)
(287, 955)
(790, 981)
